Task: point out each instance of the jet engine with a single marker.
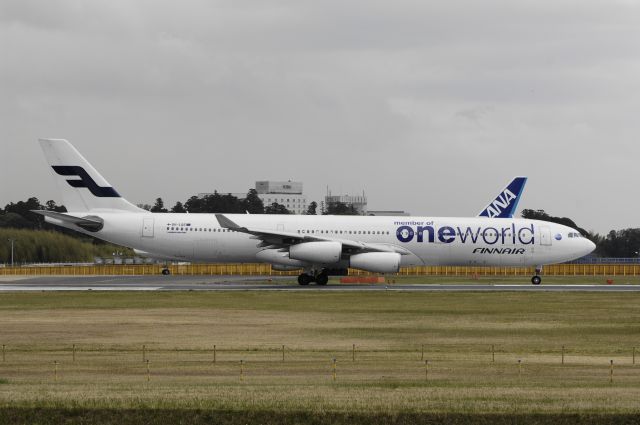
(316, 252)
(379, 262)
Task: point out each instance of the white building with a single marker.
(285, 193)
(359, 202)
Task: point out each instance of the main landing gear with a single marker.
(320, 278)
(537, 280)
(166, 271)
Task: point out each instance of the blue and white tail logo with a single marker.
(505, 204)
(85, 181)
(82, 187)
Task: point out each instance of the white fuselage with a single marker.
(475, 241)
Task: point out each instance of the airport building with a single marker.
(359, 202)
(287, 193)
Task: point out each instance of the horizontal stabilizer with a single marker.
(91, 223)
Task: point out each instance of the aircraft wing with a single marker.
(281, 239)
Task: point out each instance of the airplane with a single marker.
(316, 244)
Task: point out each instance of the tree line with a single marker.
(624, 243)
(251, 203)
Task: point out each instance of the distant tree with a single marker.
(24, 208)
(311, 209)
(276, 208)
(158, 207)
(178, 208)
(621, 243)
(194, 205)
(340, 208)
(252, 203)
(542, 215)
(144, 206)
(15, 221)
(52, 206)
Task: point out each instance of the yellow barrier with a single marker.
(265, 270)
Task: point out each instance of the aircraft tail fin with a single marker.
(504, 205)
(83, 189)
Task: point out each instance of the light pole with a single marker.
(12, 242)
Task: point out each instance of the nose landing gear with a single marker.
(537, 280)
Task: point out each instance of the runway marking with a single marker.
(551, 286)
(20, 288)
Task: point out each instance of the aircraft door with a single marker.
(545, 235)
(147, 227)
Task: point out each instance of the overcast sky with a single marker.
(429, 107)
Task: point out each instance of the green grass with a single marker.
(385, 383)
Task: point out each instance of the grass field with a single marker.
(384, 380)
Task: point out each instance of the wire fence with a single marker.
(354, 363)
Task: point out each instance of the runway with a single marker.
(263, 283)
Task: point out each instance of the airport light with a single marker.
(12, 242)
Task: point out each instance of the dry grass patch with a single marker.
(179, 331)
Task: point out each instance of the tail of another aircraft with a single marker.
(83, 189)
(505, 204)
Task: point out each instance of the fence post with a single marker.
(426, 370)
(148, 371)
(3, 351)
(563, 354)
(519, 369)
(493, 353)
(633, 358)
(144, 353)
(214, 353)
(241, 370)
(334, 369)
(74, 353)
(353, 353)
(283, 352)
(422, 355)
(55, 370)
(611, 372)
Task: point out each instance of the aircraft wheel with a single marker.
(322, 279)
(536, 280)
(304, 279)
(166, 272)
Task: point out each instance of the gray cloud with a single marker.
(428, 107)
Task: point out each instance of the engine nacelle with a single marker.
(274, 256)
(379, 262)
(316, 252)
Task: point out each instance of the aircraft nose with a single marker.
(590, 246)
